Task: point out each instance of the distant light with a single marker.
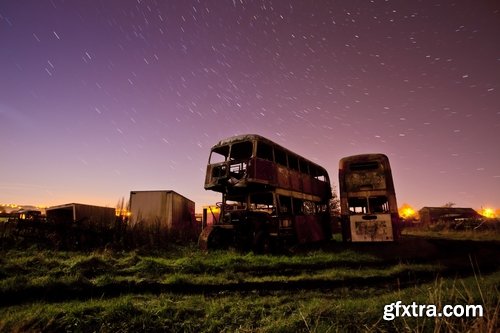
(488, 212)
(406, 212)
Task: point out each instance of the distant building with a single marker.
(29, 215)
(430, 215)
(81, 213)
(166, 214)
(13, 208)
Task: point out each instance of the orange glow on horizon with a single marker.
(10, 205)
(406, 211)
(487, 212)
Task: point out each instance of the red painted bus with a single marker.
(270, 195)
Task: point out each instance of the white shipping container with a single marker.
(165, 211)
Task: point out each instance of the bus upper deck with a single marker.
(252, 162)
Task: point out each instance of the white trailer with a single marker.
(165, 213)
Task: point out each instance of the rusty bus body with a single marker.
(270, 195)
(369, 211)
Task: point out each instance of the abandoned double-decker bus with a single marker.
(367, 199)
(270, 195)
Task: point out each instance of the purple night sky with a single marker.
(98, 98)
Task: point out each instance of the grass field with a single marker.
(327, 289)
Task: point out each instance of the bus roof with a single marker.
(363, 157)
(239, 138)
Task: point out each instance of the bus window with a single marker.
(237, 170)
(322, 208)
(378, 205)
(293, 162)
(304, 166)
(364, 166)
(309, 208)
(285, 204)
(374, 205)
(298, 206)
(318, 174)
(241, 150)
(262, 202)
(236, 203)
(264, 151)
(219, 155)
(358, 205)
(280, 156)
(321, 177)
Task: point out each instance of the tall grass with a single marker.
(291, 311)
(310, 292)
(33, 271)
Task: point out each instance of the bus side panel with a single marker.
(283, 177)
(308, 229)
(264, 171)
(296, 180)
(307, 184)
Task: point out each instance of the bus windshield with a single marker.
(368, 205)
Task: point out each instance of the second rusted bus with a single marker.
(369, 211)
